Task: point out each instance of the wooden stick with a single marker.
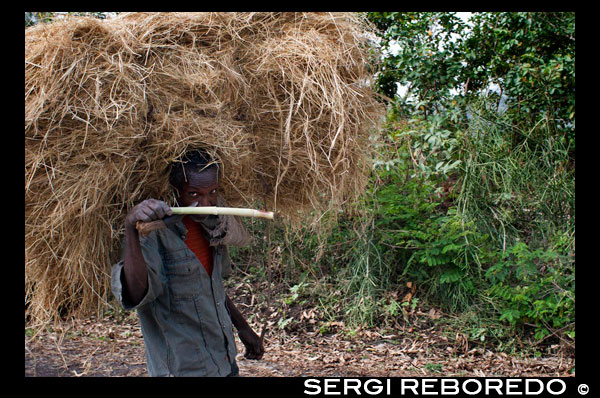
(228, 211)
(146, 227)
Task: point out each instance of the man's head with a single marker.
(195, 178)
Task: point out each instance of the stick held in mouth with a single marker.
(145, 228)
(227, 211)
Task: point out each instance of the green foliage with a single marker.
(296, 292)
(429, 246)
(507, 152)
(535, 288)
(511, 189)
(434, 367)
(423, 52)
(532, 56)
(31, 18)
(366, 276)
(529, 56)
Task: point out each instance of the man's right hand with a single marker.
(135, 273)
(146, 211)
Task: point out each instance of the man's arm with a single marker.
(253, 344)
(135, 272)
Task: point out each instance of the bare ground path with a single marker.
(114, 346)
(306, 346)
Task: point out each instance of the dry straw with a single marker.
(283, 100)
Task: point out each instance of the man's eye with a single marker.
(193, 194)
(214, 191)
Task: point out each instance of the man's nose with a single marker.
(205, 201)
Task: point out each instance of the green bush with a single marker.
(534, 288)
(427, 245)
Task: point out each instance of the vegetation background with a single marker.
(471, 205)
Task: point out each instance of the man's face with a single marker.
(200, 187)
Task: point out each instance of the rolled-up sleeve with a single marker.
(155, 279)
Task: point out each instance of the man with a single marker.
(173, 278)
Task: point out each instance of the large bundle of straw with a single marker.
(282, 100)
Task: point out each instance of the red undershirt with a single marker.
(197, 243)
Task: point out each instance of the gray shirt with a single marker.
(186, 326)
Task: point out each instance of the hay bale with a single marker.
(281, 99)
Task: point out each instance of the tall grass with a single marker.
(517, 185)
(365, 278)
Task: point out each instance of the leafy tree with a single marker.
(423, 52)
(442, 60)
(531, 55)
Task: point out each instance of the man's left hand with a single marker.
(253, 344)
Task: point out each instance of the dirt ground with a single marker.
(114, 346)
(297, 343)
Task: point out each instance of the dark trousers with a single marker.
(235, 371)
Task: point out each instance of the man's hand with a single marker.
(253, 343)
(146, 211)
(135, 273)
